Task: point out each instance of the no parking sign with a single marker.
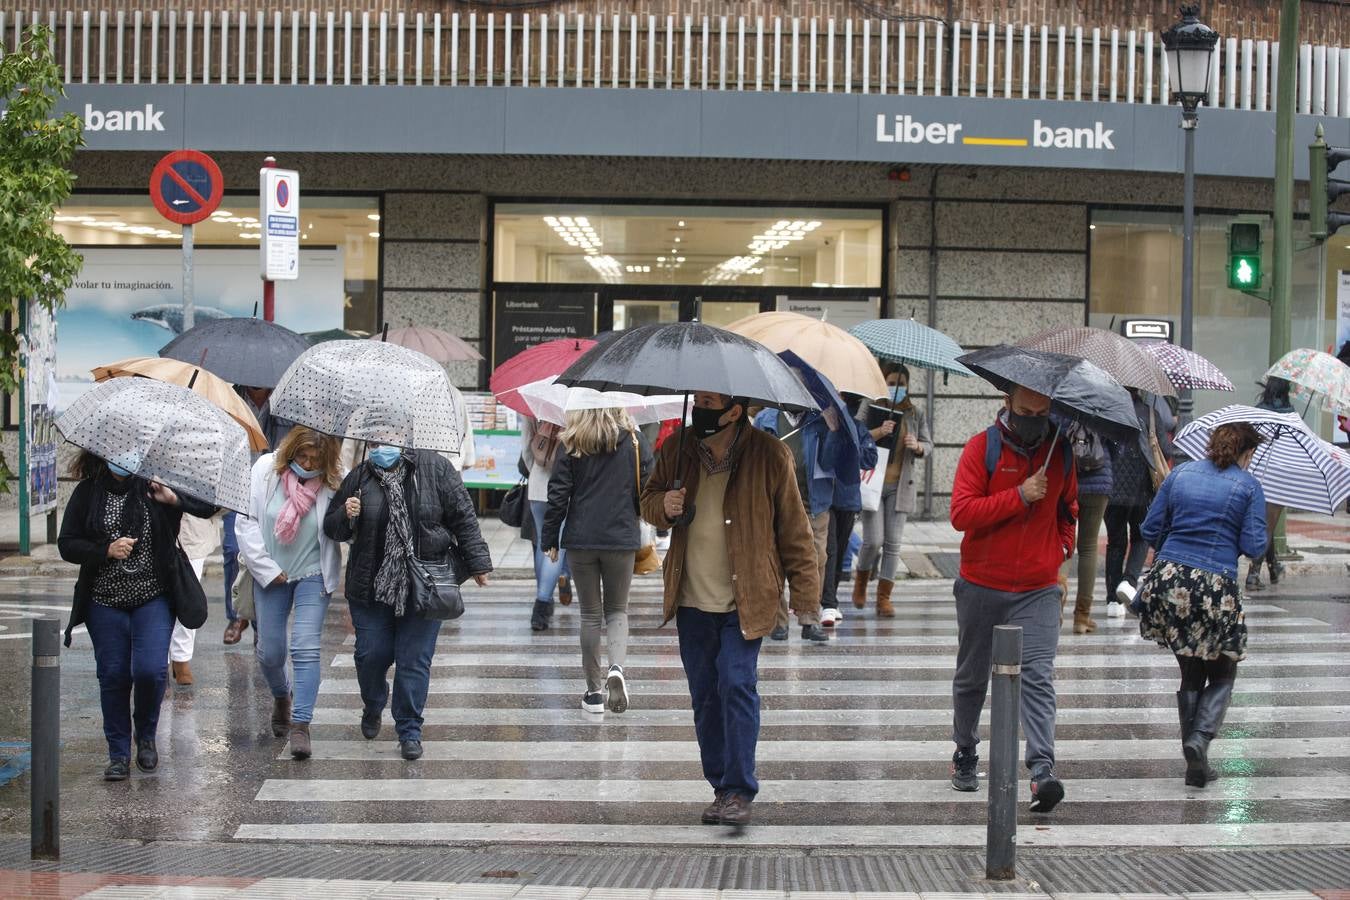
(186, 186)
(279, 191)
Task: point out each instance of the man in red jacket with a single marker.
(1019, 516)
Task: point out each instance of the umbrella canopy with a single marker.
(828, 349)
(167, 433)
(906, 341)
(1311, 373)
(822, 392)
(371, 391)
(217, 391)
(683, 357)
(1121, 358)
(1186, 368)
(549, 401)
(1077, 389)
(1296, 468)
(332, 334)
(441, 346)
(241, 351)
(537, 363)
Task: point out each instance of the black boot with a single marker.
(1209, 713)
(1187, 701)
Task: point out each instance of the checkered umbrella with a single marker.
(1311, 373)
(1120, 357)
(1296, 468)
(906, 341)
(1186, 368)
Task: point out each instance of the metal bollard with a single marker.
(46, 740)
(1000, 854)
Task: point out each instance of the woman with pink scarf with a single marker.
(295, 567)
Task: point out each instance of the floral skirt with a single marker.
(1192, 612)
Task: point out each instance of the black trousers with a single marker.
(1125, 546)
(841, 528)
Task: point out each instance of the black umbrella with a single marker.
(242, 351)
(1078, 390)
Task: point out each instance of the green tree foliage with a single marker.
(35, 179)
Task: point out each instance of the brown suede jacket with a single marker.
(768, 533)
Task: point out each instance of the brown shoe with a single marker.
(182, 673)
(235, 630)
(884, 608)
(736, 811)
(300, 745)
(713, 814)
(564, 590)
(1083, 624)
(860, 579)
(281, 715)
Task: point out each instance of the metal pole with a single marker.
(25, 423)
(46, 740)
(1000, 853)
(1188, 123)
(188, 311)
(1282, 275)
(269, 286)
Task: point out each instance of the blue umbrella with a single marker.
(821, 391)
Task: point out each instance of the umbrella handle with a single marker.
(1054, 440)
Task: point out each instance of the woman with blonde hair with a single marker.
(594, 488)
(295, 567)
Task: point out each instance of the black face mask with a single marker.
(705, 421)
(1029, 429)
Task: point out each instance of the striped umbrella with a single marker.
(1122, 358)
(1186, 368)
(1312, 373)
(1296, 468)
(906, 341)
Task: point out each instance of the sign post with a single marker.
(279, 205)
(37, 422)
(186, 187)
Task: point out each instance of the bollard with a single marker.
(1000, 854)
(46, 740)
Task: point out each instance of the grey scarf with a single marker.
(391, 581)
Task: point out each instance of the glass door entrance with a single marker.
(632, 313)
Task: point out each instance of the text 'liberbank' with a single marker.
(909, 130)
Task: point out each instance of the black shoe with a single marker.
(370, 725)
(410, 749)
(814, 633)
(119, 769)
(593, 702)
(1276, 572)
(964, 777)
(779, 634)
(147, 757)
(543, 613)
(1046, 791)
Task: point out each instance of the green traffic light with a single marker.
(1244, 273)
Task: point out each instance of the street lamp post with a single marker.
(1189, 46)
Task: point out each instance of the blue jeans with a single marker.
(131, 657)
(405, 642)
(230, 547)
(546, 573)
(274, 605)
(722, 668)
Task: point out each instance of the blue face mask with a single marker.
(384, 457)
(118, 470)
(898, 393)
(302, 473)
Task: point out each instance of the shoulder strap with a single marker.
(637, 468)
(993, 448)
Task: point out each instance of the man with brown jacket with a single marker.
(738, 528)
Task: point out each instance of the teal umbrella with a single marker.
(906, 341)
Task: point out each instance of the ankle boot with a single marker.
(860, 580)
(1187, 701)
(1082, 616)
(884, 608)
(300, 743)
(1209, 714)
(281, 715)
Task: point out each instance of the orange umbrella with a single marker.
(827, 348)
(216, 390)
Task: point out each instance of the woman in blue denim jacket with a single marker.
(1206, 514)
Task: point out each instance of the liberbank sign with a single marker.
(766, 125)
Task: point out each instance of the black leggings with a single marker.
(1195, 672)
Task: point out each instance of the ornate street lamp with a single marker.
(1189, 46)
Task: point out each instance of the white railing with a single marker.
(540, 49)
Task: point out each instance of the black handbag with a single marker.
(188, 596)
(512, 512)
(434, 584)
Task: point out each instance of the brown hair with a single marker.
(1229, 442)
(300, 437)
(86, 465)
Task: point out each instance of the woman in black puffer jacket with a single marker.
(395, 505)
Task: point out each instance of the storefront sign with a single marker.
(844, 313)
(521, 320)
(1147, 329)
(279, 205)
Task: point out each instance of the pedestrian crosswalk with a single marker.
(854, 750)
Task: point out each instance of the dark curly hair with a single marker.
(1229, 442)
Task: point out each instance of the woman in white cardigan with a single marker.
(295, 567)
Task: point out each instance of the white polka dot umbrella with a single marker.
(164, 432)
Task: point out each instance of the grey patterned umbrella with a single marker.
(1121, 358)
(370, 391)
(906, 341)
(242, 351)
(167, 433)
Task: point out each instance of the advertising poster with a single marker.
(523, 320)
(1342, 332)
(127, 301)
(40, 396)
(495, 466)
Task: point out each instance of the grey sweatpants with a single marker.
(978, 610)
(602, 578)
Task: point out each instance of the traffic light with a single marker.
(1323, 191)
(1244, 256)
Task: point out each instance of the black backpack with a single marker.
(1089, 450)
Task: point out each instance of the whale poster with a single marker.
(127, 301)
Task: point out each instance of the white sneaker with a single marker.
(1115, 610)
(617, 689)
(662, 543)
(828, 617)
(1125, 593)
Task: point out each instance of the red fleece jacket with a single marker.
(1008, 545)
